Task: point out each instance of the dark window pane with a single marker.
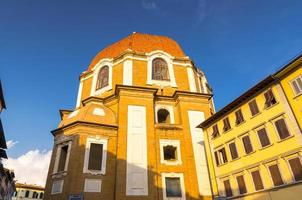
(269, 98)
(216, 158)
(223, 155)
(103, 77)
(163, 116)
(95, 156)
(257, 180)
(247, 144)
(253, 107)
(241, 184)
(27, 193)
(228, 189)
(170, 152)
(263, 137)
(63, 157)
(276, 176)
(282, 129)
(295, 165)
(215, 131)
(233, 150)
(226, 124)
(160, 70)
(239, 117)
(173, 188)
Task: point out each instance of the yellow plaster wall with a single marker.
(295, 101)
(259, 156)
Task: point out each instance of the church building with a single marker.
(133, 133)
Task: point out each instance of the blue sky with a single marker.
(45, 45)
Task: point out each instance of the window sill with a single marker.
(59, 174)
(222, 164)
(226, 131)
(240, 123)
(253, 116)
(297, 96)
(267, 146)
(174, 162)
(94, 172)
(235, 159)
(269, 107)
(250, 153)
(281, 140)
(167, 126)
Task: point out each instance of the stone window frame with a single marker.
(58, 155)
(244, 180)
(223, 189)
(174, 143)
(273, 120)
(261, 177)
(267, 165)
(61, 186)
(287, 158)
(292, 86)
(182, 185)
(104, 142)
(263, 126)
(169, 108)
(97, 69)
(169, 60)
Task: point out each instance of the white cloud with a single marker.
(149, 5)
(11, 143)
(31, 167)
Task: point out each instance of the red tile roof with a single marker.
(139, 43)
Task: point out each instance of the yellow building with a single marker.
(133, 132)
(290, 78)
(28, 192)
(256, 142)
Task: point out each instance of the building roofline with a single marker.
(256, 88)
(238, 101)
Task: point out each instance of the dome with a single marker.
(91, 113)
(139, 43)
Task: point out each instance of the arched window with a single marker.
(160, 70)
(41, 195)
(163, 116)
(103, 78)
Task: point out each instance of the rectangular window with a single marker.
(216, 158)
(233, 150)
(170, 152)
(241, 184)
(239, 117)
(228, 189)
(222, 155)
(257, 180)
(215, 131)
(226, 124)
(276, 176)
(253, 107)
(297, 85)
(269, 98)
(95, 157)
(282, 129)
(173, 187)
(296, 167)
(262, 135)
(247, 144)
(57, 187)
(63, 157)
